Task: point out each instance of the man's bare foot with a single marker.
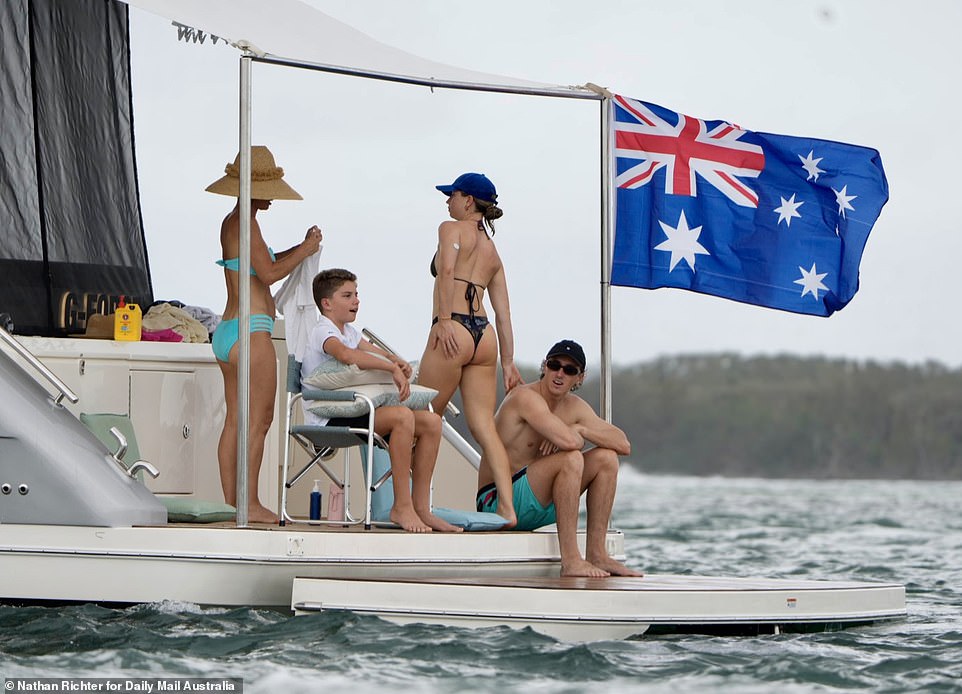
(260, 514)
(409, 520)
(438, 524)
(580, 567)
(614, 567)
(508, 515)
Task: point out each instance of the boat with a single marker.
(77, 524)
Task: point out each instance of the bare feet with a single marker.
(438, 524)
(509, 515)
(614, 567)
(409, 520)
(580, 567)
(260, 514)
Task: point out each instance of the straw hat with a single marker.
(267, 179)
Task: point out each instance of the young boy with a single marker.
(414, 436)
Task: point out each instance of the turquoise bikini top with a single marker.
(233, 264)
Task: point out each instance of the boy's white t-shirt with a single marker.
(314, 354)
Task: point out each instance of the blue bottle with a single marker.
(316, 501)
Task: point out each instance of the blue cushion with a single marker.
(471, 520)
(383, 498)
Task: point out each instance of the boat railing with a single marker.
(28, 357)
(451, 435)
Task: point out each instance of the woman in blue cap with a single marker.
(463, 346)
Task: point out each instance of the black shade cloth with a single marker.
(71, 233)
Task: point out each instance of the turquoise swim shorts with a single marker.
(531, 514)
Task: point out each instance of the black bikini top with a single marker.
(472, 292)
(434, 267)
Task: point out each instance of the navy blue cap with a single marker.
(474, 184)
(570, 349)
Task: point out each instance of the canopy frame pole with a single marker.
(607, 201)
(244, 296)
(573, 92)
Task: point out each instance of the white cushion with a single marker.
(381, 394)
(333, 374)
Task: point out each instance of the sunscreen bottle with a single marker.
(316, 501)
(127, 321)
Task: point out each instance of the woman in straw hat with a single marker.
(462, 349)
(267, 184)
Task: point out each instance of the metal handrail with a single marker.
(28, 356)
(450, 434)
(460, 444)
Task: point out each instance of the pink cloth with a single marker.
(165, 335)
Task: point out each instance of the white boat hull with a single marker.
(256, 566)
(591, 609)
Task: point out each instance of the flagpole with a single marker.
(606, 216)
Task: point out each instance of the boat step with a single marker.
(591, 609)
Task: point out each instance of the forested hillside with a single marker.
(789, 417)
(786, 417)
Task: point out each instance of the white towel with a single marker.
(295, 301)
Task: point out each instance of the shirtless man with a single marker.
(544, 428)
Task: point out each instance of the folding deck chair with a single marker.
(321, 444)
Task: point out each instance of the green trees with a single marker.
(786, 416)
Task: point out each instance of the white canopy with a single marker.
(290, 31)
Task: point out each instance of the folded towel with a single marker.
(165, 335)
(164, 316)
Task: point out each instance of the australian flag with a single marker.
(770, 220)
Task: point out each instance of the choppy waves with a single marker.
(907, 532)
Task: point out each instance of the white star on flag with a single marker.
(843, 199)
(811, 165)
(787, 210)
(811, 281)
(682, 242)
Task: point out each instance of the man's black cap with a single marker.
(568, 348)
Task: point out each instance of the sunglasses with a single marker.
(555, 365)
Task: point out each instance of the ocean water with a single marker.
(907, 532)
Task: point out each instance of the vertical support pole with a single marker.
(607, 203)
(244, 291)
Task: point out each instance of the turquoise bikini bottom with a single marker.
(226, 334)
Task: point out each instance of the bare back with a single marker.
(476, 262)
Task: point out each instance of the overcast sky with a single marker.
(366, 156)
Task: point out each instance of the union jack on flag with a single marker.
(709, 207)
(685, 148)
